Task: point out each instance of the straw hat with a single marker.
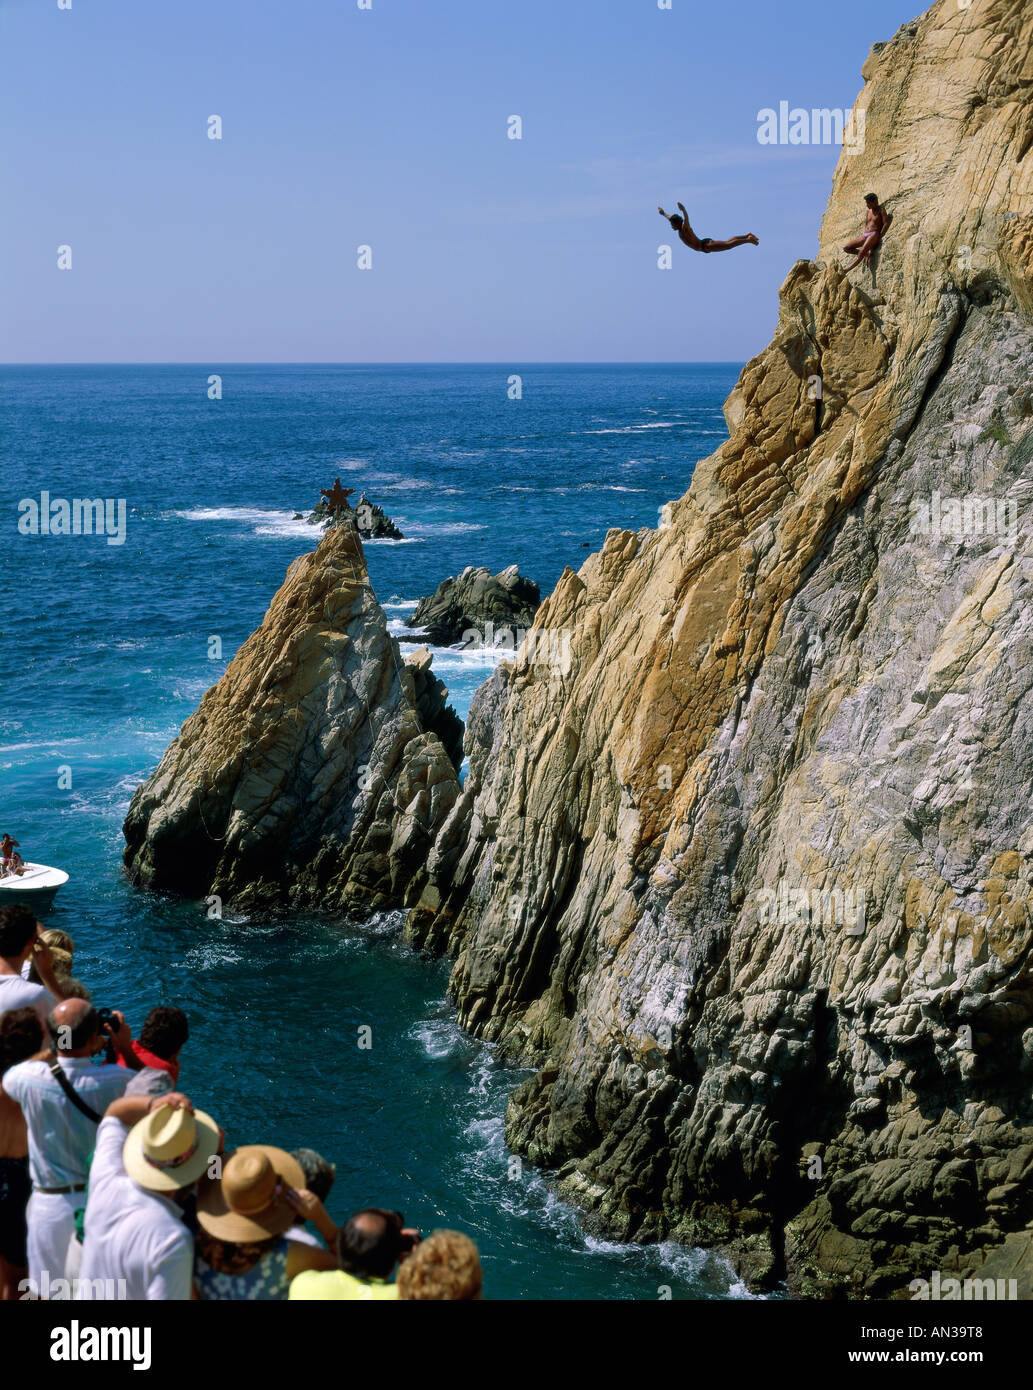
(249, 1203)
(170, 1148)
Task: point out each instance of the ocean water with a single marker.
(108, 648)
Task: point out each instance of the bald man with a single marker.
(62, 1098)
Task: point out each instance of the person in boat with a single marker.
(11, 861)
(875, 223)
(705, 244)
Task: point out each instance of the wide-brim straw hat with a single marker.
(170, 1148)
(249, 1203)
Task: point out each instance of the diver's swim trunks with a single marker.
(705, 243)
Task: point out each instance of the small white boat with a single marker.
(35, 887)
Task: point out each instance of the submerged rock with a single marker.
(306, 775)
(752, 882)
(476, 606)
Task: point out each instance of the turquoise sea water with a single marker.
(106, 652)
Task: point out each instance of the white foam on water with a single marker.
(650, 425)
(606, 487)
(593, 487)
(51, 743)
(439, 1038)
(288, 527)
(388, 922)
(529, 1197)
(263, 521)
(454, 659)
(444, 528)
(212, 955)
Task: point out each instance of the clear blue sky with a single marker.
(388, 127)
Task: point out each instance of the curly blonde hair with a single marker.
(445, 1267)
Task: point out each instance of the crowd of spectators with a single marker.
(113, 1184)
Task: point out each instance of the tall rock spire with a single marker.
(304, 776)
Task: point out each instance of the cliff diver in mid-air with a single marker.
(705, 244)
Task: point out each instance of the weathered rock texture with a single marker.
(784, 685)
(429, 696)
(477, 602)
(306, 774)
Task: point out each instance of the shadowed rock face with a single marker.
(783, 694)
(305, 775)
(429, 696)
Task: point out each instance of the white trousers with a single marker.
(51, 1218)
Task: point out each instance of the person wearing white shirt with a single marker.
(62, 1100)
(20, 942)
(135, 1244)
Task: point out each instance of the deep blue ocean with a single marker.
(105, 653)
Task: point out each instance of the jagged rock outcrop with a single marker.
(429, 697)
(374, 523)
(789, 692)
(478, 602)
(370, 519)
(306, 775)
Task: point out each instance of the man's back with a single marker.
(18, 993)
(336, 1284)
(60, 1136)
(131, 1234)
(14, 1141)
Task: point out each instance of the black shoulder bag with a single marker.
(57, 1072)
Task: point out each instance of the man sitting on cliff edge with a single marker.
(875, 223)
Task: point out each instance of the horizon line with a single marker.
(316, 362)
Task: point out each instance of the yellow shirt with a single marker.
(315, 1284)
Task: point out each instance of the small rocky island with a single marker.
(476, 601)
(371, 521)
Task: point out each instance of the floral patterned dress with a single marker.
(265, 1281)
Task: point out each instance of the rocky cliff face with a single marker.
(478, 607)
(306, 775)
(750, 881)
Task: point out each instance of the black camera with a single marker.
(108, 1016)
